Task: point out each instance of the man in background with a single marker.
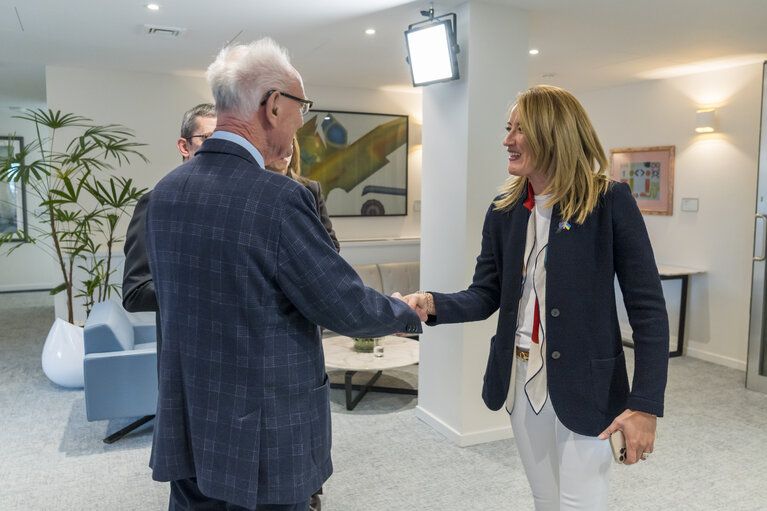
(245, 273)
(197, 125)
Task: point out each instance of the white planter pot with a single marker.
(63, 354)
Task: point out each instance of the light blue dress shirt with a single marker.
(237, 139)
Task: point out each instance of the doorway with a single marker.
(756, 371)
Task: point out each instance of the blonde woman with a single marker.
(552, 244)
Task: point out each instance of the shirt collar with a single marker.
(530, 201)
(237, 139)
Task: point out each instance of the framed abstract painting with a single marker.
(360, 159)
(649, 172)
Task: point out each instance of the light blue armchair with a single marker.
(120, 366)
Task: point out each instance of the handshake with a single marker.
(422, 303)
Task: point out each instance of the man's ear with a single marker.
(183, 148)
(271, 110)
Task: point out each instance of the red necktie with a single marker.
(530, 204)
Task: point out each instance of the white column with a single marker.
(464, 163)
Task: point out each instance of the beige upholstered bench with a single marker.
(390, 277)
(387, 278)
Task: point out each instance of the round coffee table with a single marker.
(340, 354)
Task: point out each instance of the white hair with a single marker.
(242, 74)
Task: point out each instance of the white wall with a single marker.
(151, 104)
(720, 170)
(464, 164)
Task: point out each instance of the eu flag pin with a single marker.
(564, 225)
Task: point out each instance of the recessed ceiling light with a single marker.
(534, 52)
(370, 31)
(153, 7)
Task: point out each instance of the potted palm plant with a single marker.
(76, 203)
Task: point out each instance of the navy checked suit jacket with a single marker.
(244, 273)
(587, 379)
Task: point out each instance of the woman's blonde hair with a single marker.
(565, 148)
(294, 165)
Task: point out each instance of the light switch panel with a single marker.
(689, 204)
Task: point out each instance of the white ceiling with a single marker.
(584, 44)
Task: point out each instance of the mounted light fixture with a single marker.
(705, 120)
(432, 49)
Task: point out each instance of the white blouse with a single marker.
(541, 215)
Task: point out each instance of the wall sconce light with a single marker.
(705, 120)
(432, 49)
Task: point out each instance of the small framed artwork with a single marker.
(13, 198)
(649, 172)
(360, 159)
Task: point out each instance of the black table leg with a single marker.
(682, 318)
(682, 315)
(351, 402)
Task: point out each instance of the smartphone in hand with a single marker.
(618, 445)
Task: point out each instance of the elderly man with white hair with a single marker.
(245, 273)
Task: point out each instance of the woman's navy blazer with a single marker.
(586, 369)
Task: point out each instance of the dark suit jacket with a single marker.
(322, 210)
(138, 288)
(244, 273)
(587, 378)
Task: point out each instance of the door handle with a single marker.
(764, 238)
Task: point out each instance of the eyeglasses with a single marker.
(305, 103)
(202, 138)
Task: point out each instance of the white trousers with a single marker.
(566, 471)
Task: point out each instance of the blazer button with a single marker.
(555, 313)
(555, 355)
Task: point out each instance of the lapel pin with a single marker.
(564, 225)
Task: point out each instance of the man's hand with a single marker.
(638, 429)
(421, 301)
(422, 315)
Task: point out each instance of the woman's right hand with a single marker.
(638, 429)
(421, 313)
(421, 303)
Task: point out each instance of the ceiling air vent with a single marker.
(163, 31)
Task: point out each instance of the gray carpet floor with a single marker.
(710, 452)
